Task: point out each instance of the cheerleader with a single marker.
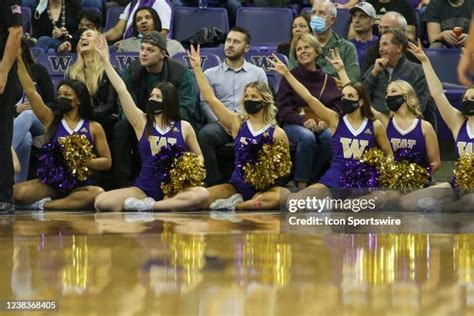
(461, 124)
(257, 121)
(353, 133)
(72, 115)
(160, 126)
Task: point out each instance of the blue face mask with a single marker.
(318, 24)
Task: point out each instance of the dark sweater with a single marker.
(44, 84)
(44, 27)
(289, 103)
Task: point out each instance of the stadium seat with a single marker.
(260, 59)
(445, 62)
(26, 15)
(342, 21)
(112, 17)
(92, 9)
(189, 20)
(207, 60)
(268, 26)
(121, 60)
(93, 4)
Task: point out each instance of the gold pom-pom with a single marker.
(374, 157)
(273, 162)
(464, 172)
(403, 175)
(186, 171)
(77, 151)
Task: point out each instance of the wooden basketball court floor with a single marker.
(236, 264)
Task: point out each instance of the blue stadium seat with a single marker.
(342, 21)
(26, 15)
(121, 60)
(95, 4)
(445, 62)
(112, 17)
(207, 60)
(219, 51)
(92, 9)
(268, 26)
(260, 58)
(189, 20)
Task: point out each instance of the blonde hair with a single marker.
(308, 39)
(267, 99)
(91, 78)
(413, 105)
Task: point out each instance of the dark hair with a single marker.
(239, 29)
(170, 98)
(85, 104)
(154, 15)
(306, 17)
(26, 54)
(398, 38)
(92, 16)
(366, 108)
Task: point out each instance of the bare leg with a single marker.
(221, 191)
(464, 204)
(112, 201)
(32, 191)
(79, 199)
(267, 200)
(315, 191)
(194, 198)
(442, 191)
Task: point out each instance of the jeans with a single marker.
(313, 152)
(25, 127)
(47, 42)
(211, 137)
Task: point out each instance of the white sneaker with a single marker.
(428, 204)
(134, 204)
(227, 204)
(38, 205)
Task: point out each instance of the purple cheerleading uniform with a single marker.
(149, 147)
(246, 134)
(411, 138)
(347, 144)
(82, 128)
(464, 145)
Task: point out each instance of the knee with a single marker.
(101, 202)
(207, 136)
(94, 191)
(305, 137)
(201, 196)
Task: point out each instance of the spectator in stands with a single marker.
(304, 129)
(465, 67)
(88, 20)
(448, 22)
(124, 27)
(146, 20)
(55, 21)
(391, 20)
(363, 19)
(89, 69)
(228, 81)
(322, 19)
(300, 26)
(341, 4)
(141, 77)
(26, 125)
(393, 65)
(401, 6)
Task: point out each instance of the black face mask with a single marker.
(62, 106)
(252, 107)
(467, 107)
(349, 106)
(394, 102)
(156, 107)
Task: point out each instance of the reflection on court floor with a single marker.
(236, 264)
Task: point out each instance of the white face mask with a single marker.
(42, 5)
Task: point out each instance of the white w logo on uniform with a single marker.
(353, 148)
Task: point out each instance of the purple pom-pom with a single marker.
(164, 160)
(359, 175)
(409, 155)
(248, 153)
(53, 170)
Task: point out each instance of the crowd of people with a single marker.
(340, 95)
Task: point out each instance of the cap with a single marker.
(155, 38)
(365, 7)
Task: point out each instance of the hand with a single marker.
(102, 48)
(64, 31)
(64, 47)
(449, 37)
(3, 80)
(321, 126)
(194, 55)
(117, 44)
(57, 33)
(417, 51)
(379, 65)
(23, 107)
(335, 59)
(462, 40)
(310, 124)
(278, 65)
